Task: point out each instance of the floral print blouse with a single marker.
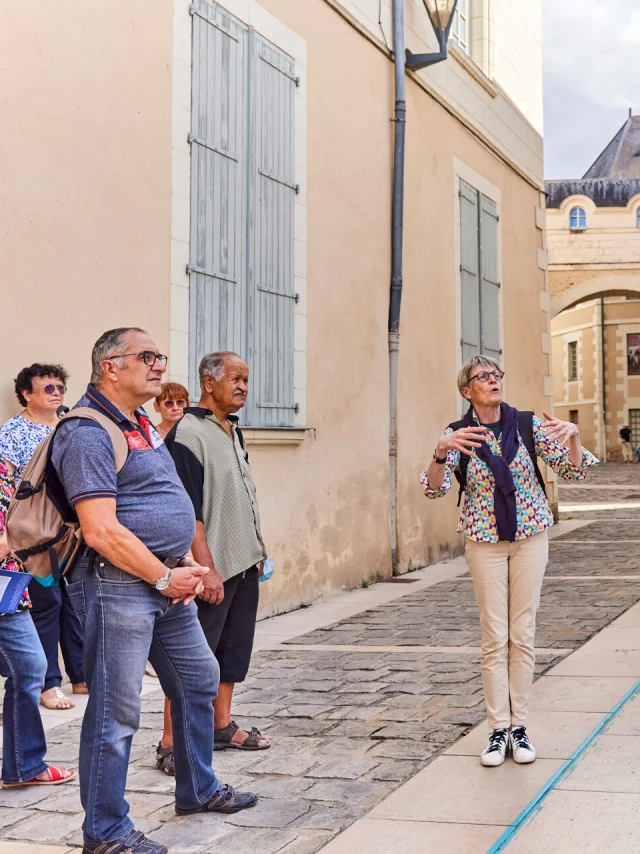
(478, 520)
(19, 438)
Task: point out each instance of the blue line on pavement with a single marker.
(536, 802)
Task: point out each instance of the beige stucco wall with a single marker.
(85, 179)
(325, 502)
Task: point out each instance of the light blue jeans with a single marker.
(126, 622)
(23, 662)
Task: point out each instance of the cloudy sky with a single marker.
(592, 77)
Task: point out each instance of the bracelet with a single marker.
(439, 460)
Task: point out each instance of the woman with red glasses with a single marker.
(28, 652)
(40, 389)
(170, 404)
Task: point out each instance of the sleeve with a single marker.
(453, 458)
(557, 456)
(9, 450)
(83, 457)
(191, 472)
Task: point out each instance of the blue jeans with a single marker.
(23, 663)
(57, 624)
(127, 621)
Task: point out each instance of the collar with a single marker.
(104, 404)
(202, 412)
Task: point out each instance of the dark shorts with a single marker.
(230, 626)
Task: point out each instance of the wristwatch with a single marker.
(165, 581)
(440, 460)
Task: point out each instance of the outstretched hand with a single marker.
(463, 440)
(557, 430)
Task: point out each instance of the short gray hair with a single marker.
(212, 365)
(470, 364)
(109, 344)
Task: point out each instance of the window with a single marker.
(242, 209)
(573, 360)
(461, 26)
(573, 416)
(638, 218)
(479, 274)
(577, 219)
(634, 423)
(633, 355)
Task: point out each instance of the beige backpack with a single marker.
(42, 528)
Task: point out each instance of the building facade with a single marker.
(593, 226)
(220, 174)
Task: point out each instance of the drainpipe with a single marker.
(604, 384)
(395, 296)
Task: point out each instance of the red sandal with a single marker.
(55, 775)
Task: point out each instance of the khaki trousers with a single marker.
(627, 452)
(507, 578)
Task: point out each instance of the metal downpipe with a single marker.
(395, 295)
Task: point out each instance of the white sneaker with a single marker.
(523, 751)
(495, 751)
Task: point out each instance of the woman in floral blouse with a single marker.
(505, 520)
(40, 390)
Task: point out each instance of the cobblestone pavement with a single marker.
(355, 708)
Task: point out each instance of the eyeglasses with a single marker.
(147, 356)
(483, 376)
(171, 403)
(50, 388)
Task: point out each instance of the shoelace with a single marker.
(521, 739)
(497, 740)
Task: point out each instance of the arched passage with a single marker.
(601, 285)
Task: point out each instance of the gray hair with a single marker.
(470, 364)
(109, 344)
(212, 365)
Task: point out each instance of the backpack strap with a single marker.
(120, 446)
(242, 444)
(525, 429)
(460, 470)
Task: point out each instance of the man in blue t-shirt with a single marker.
(134, 586)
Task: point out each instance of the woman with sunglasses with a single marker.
(40, 389)
(170, 404)
(505, 519)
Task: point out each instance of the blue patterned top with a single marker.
(478, 520)
(18, 440)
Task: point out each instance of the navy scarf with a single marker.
(504, 494)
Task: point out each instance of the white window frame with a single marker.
(462, 21)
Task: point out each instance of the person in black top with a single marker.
(627, 450)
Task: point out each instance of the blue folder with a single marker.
(12, 586)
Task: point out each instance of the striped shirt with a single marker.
(214, 469)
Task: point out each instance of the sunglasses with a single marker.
(51, 388)
(171, 403)
(146, 356)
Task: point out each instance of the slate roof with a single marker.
(613, 179)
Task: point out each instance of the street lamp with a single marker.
(441, 16)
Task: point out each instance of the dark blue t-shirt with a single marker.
(150, 498)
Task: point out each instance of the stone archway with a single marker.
(606, 284)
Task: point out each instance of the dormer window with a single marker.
(577, 219)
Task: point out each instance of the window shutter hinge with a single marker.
(297, 298)
(297, 188)
(298, 82)
(192, 9)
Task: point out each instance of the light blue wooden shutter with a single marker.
(469, 271)
(218, 190)
(490, 285)
(271, 217)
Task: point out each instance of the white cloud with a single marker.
(592, 77)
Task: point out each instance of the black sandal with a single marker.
(165, 761)
(223, 739)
